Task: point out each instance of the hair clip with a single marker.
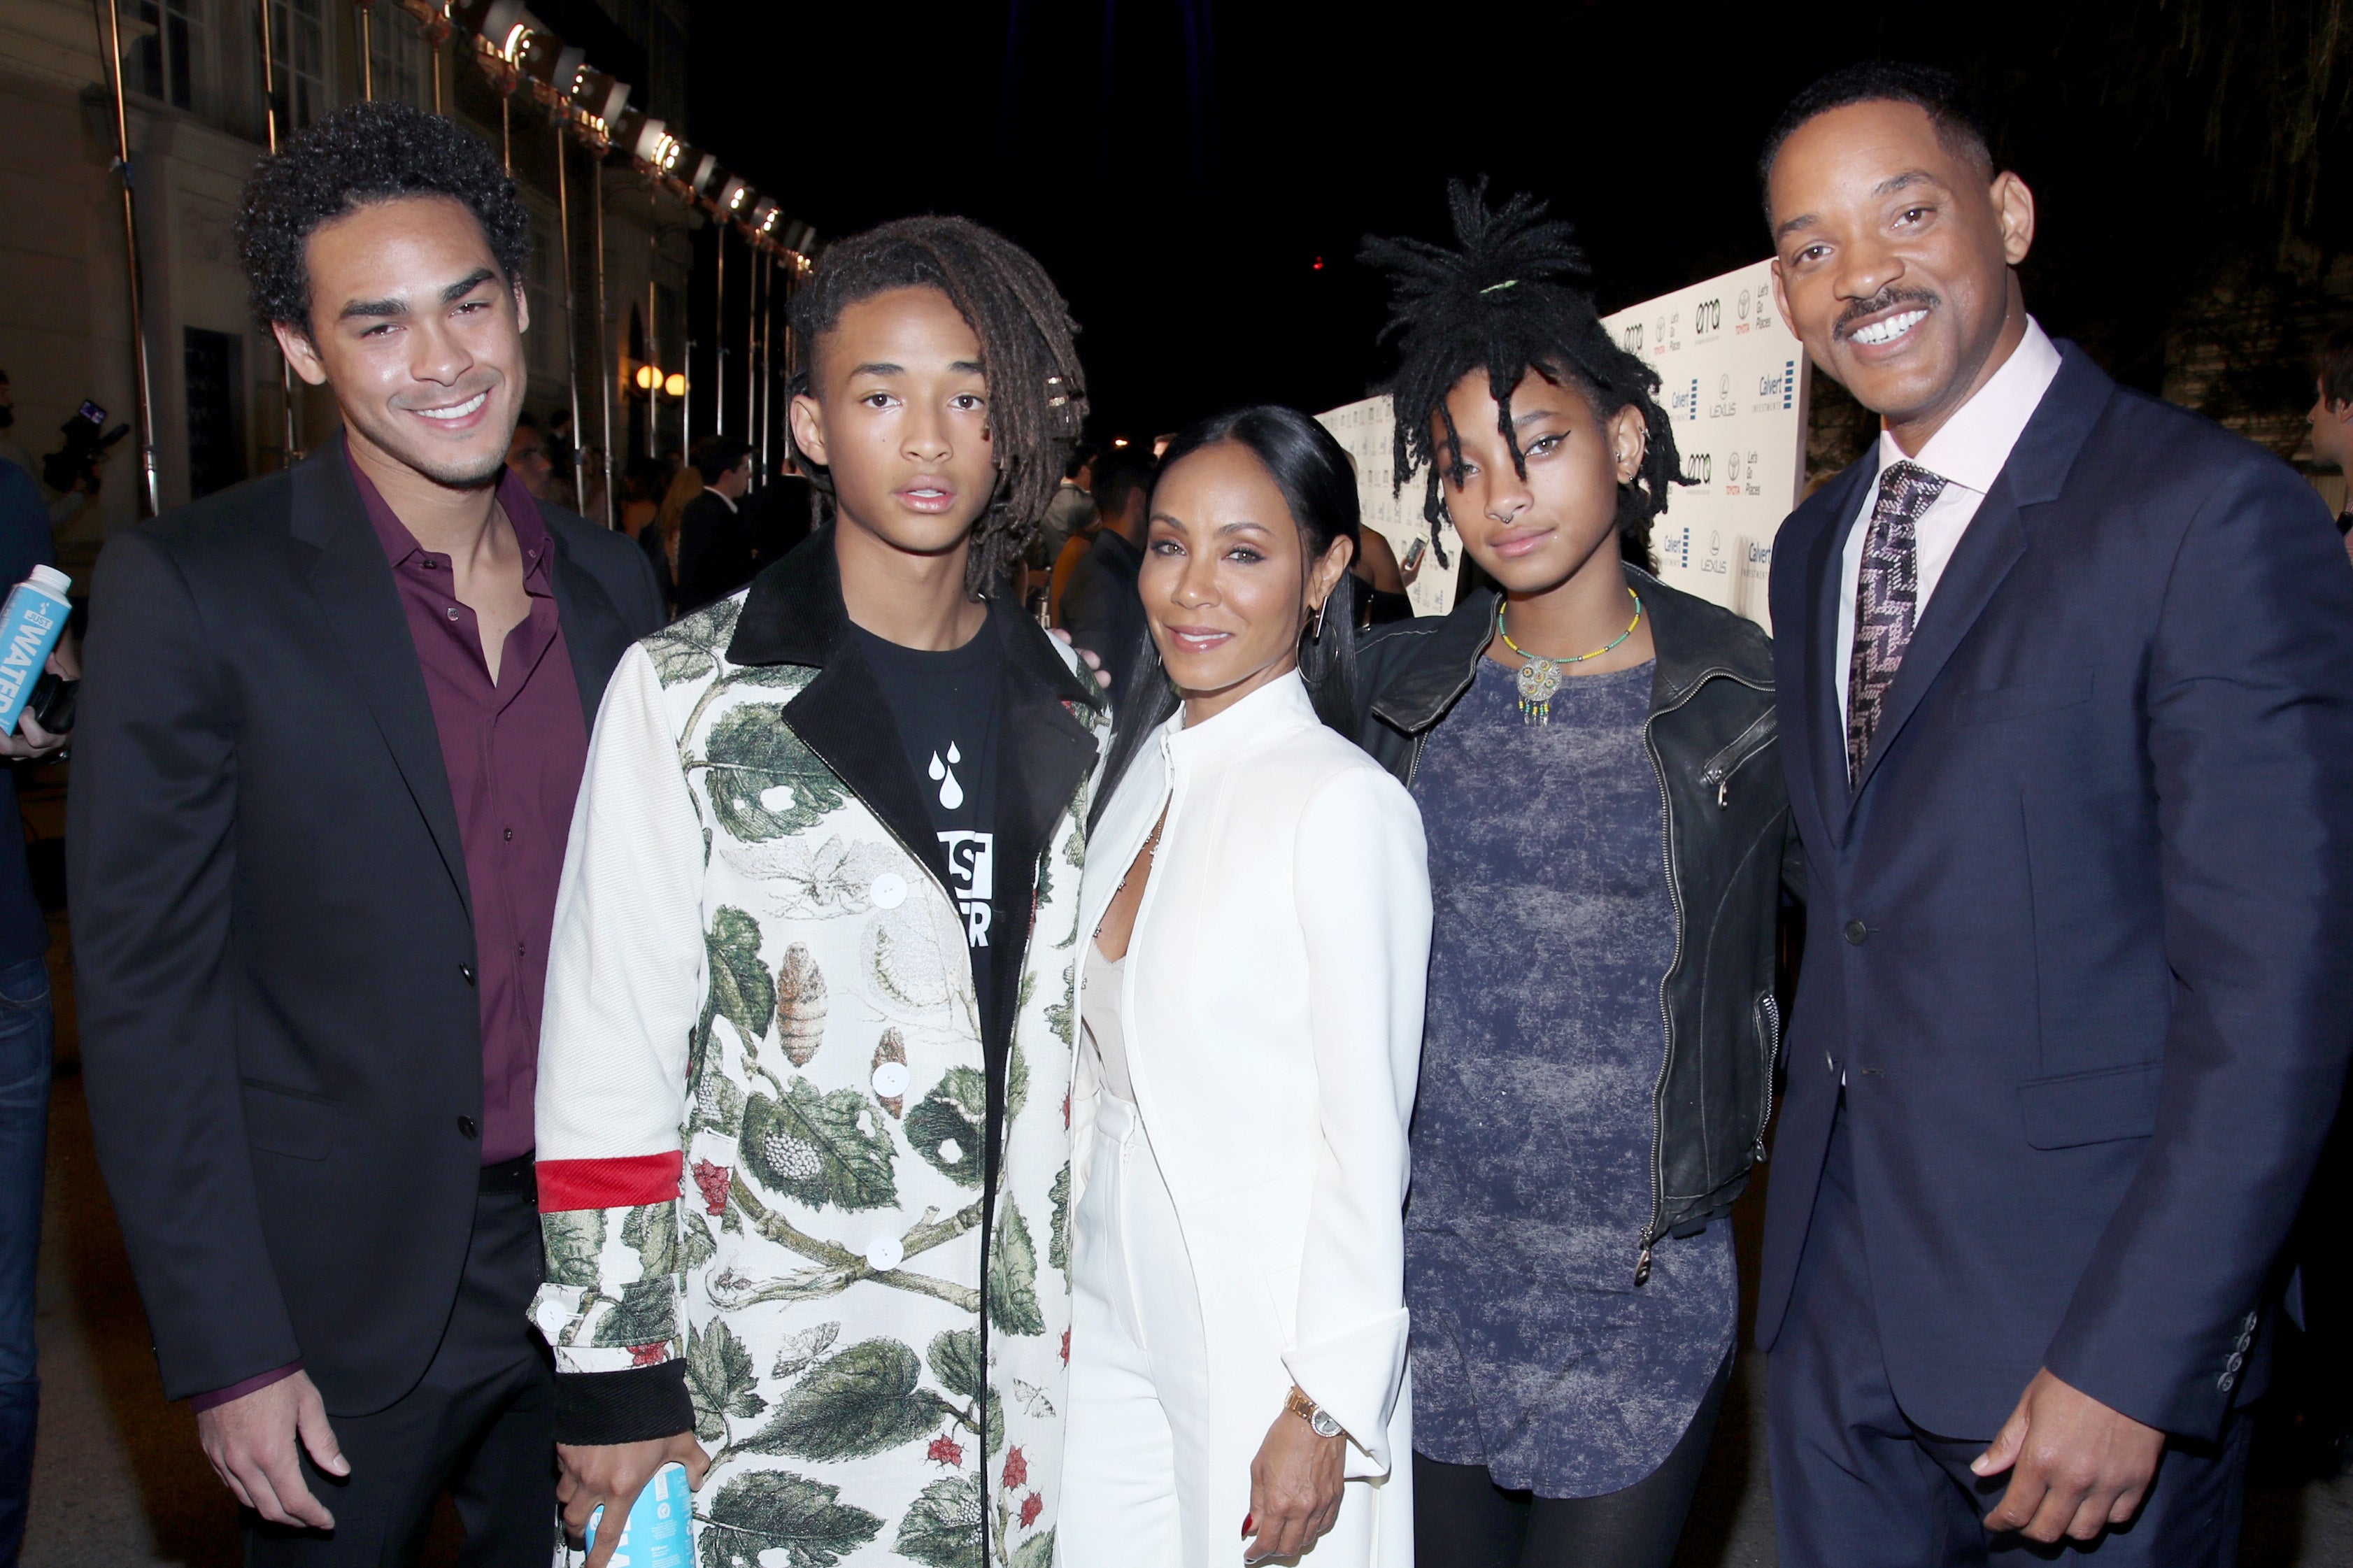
(1506, 283)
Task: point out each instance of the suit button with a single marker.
(465, 1128)
(1856, 930)
(467, 970)
(2225, 1382)
(2236, 1363)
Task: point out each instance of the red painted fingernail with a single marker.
(1246, 1519)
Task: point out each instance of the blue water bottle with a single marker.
(656, 1534)
(30, 624)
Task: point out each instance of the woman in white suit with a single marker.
(1251, 1014)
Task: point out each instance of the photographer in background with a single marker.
(59, 505)
(26, 1030)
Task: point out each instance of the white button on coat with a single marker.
(890, 1079)
(884, 1253)
(889, 891)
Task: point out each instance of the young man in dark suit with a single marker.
(334, 723)
(2067, 687)
(717, 553)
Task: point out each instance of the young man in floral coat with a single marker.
(804, 1153)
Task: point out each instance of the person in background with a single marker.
(1385, 582)
(1073, 510)
(60, 506)
(1058, 581)
(661, 541)
(334, 722)
(28, 1033)
(527, 455)
(2066, 685)
(780, 517)
(642, 484)
(562, 441)
(1592, 751)
(1100, 609)
(2331, 414)
(1256, 898)
(715, 551)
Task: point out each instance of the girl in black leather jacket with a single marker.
(1593, 754)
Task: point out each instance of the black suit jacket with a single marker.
(716, 551)
(2078, 940)
(280, 1034)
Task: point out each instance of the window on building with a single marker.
(213, 362)
(297, 37)
(543, 288)
(161, 60)
(403, 62)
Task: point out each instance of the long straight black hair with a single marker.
(1319, 485)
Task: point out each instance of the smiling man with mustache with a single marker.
(334, 722)
(2066, 685)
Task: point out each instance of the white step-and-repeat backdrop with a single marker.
(1733, 382)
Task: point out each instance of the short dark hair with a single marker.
(1036, 397)
(1318, 483)
(715, 457)
(361, 155)
(1081, 456)
(1961, 129)
(1120, 473)
(2332, 362)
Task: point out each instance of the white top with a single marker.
(1099, 1013)
(1272, 1006)
(1969, 452)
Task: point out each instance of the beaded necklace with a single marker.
(1540, 677)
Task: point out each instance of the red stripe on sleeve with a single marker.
(608, 1183)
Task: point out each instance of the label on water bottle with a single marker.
(656, 1534)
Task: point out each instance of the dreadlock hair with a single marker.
(1497, 303)
(1037, 400)
(1319, 485)
(365, 152)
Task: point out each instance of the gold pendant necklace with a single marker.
(1540, 677)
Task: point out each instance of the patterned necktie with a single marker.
(1886, 600)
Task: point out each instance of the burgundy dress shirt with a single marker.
(514, 752)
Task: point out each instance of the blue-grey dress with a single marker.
(1534, 1353)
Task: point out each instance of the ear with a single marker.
(1629, 434)
(2014, 210)
(808, 427)
(1781, 297)
(299, 352)
(1325, 574)
(523, 310)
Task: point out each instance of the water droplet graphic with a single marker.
(951, 792)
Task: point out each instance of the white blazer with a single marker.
(1272, 1007)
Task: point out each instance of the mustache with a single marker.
(1885, 300)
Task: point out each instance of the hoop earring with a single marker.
(1317, 635)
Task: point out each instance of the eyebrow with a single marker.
(449, 296)
(881, 367)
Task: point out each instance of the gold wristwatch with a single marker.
(1307, 1410)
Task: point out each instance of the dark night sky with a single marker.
(1180, 187)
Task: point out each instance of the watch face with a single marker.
(1326, 1427)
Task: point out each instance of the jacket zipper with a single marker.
(1666, 1018)
(1768, 1012)
(1735, 756)
(1421, 736)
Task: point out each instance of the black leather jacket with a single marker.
(1729, 847)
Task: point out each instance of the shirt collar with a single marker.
(723, 495)
(399, 545)
(1974, 444)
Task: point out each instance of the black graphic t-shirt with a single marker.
(946, 707)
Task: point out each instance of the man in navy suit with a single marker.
(2068, 723)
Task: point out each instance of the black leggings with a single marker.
(1462, 1520)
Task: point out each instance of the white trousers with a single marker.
(1137, 1432)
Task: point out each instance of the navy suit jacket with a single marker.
(2079, 939)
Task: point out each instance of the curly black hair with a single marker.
(1498, 303)
(364, 154)
(1037, 399)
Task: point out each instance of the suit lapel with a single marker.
(1994, 542)
(1824, 731)
(360, 607)
(593, 636)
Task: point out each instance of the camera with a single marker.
(87, 443)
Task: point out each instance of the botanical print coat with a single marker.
(763, 1097)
